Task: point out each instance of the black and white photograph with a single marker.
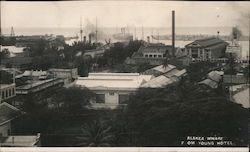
(124, 76)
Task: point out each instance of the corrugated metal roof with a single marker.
(164, 69)
(214, 75)
(8, 112)
(209, 83)
(157, 82)
(242, 97)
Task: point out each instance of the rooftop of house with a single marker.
(20, 141)
(8, 113)
(164, 69)
(157, 82)
(209, 83)
(116, 81)
(215, 75)
(206, 42)
(242, 97)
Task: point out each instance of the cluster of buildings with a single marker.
(9, 114)
(208, 49)
(113, 89)
(34, 81)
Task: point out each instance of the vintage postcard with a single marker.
(168, 76)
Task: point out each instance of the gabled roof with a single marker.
(209, 83)
(158, 82)
(242, 97)
(163, 69)
(214, 75)
(207, 42)
(8, 113)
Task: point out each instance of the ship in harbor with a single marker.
(234, 47)
(123, 36)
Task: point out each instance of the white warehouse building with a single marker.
(112, 89)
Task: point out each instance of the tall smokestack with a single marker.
(173, 33)
(89, 38)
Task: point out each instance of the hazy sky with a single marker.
(122, 13)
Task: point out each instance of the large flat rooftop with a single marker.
(101, 81)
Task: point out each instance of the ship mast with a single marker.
(81, 31)
(96, 30)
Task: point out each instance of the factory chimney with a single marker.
(173, 33)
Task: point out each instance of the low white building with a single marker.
(112, 89)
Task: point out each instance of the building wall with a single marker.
(7, 92)
(112, 97)
(150, 61)
(5, 129)
(206, 53)
(65, 73)
(153, 55)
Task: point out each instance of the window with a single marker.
(159, 56)
(3, 95)
(10, 92)
(13, 91)
(155, 56)
(111, 93)
(6, 93)
(100, 98)
(123, 98)
(150, 56)
(146, 55)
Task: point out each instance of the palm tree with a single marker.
(96, 134)
(165, 62)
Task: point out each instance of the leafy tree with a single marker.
(6, 77)
(5, 53)
(73, 99)
(198, 70)
(160, 117)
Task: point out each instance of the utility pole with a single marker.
(135, 33)
(96, 30)
(142, 33)
(173, 33)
